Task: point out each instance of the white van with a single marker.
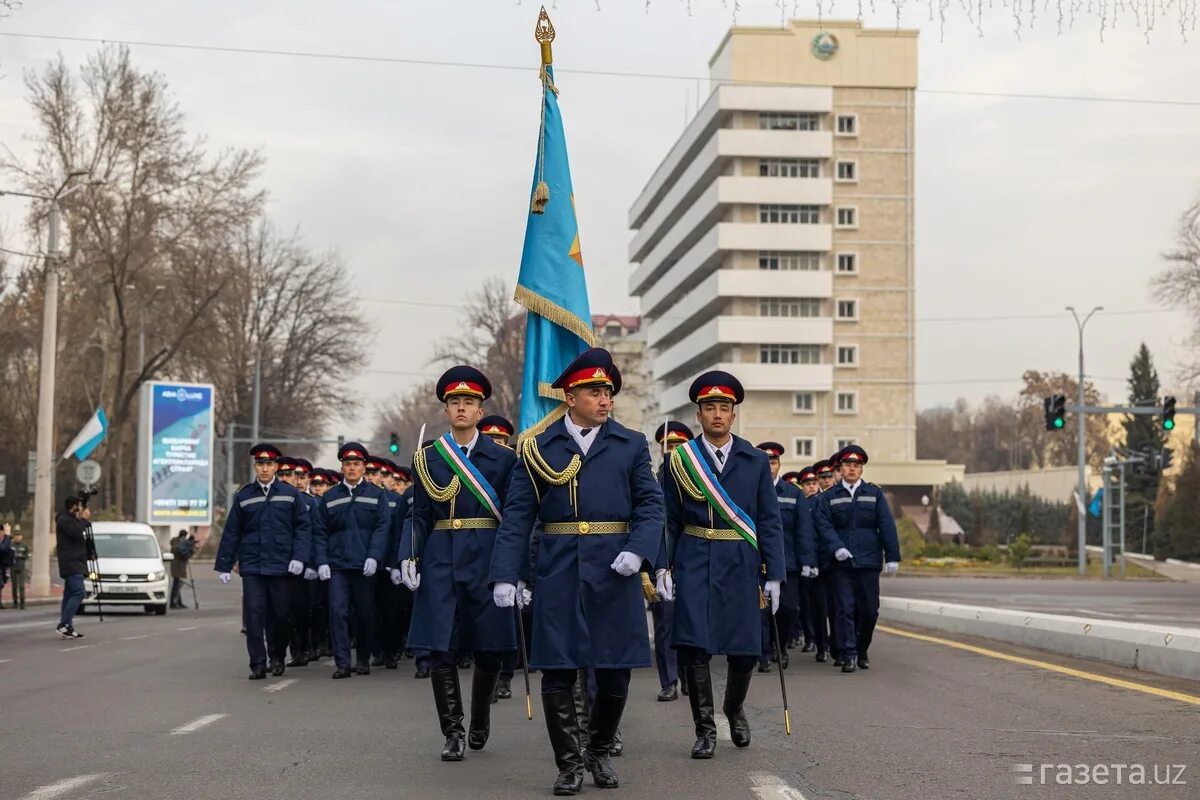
(131, 570)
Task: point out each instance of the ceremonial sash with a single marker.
(468, 473)
(714, 493)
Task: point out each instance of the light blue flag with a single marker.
(1096, 507)
(552, 284)
(88, 439)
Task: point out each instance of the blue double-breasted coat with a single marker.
(584, 613)
(350, 526)
(264, 531)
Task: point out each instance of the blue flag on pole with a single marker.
(89, 438)
(552, 284)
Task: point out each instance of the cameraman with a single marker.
(183, 547)
(72, 526)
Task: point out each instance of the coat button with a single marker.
(709, 533)
(457, 524)
(584, 527)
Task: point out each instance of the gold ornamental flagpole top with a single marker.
(543, 33)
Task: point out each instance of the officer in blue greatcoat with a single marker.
(267, 535)
(458, 502)
(389, 594)
(725, 532)
(799, 556)
(303, 586)
(813, 623)
(856, 527)
(587, 480)
(350, 527)
(826, 477)
(319, 482)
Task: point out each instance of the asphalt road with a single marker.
(1151, 602)
(159, 707)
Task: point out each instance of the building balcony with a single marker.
(757, 377)
(719, 331)
(694, 307)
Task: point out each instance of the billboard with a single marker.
(175, 454)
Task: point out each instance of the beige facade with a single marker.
(775, 241)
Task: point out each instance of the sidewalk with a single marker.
(1175, 570)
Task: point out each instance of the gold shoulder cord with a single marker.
(440, 494)
(683, 479)
(535, 463)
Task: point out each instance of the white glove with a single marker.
(771, 592)
(408, 574)
(814, 572)
(295, 567)
(523, 595)
(806, 572)
(664, 585)
(504, 595)
(323, 572)
(626, 563)
(395, 577)
(224, 576)
(842, 554)
(310, 574)
(369, 567)
(891, 567)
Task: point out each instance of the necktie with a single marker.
(584, 432)
(720, 456)
(463, 448)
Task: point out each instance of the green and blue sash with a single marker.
(469, 474)
(706, 482)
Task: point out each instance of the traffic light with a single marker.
(341, 441)
(1168, 414)
(1055, 409)
(394, 443)
(1166, 459)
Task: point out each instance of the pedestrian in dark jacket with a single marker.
(182, 549)
(71, 540)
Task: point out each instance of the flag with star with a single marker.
(552, 285)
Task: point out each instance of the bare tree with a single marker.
(1179, 285)
(1059, 448)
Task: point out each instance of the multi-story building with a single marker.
(775, 240)
(622, 335)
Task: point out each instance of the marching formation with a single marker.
(444, 560)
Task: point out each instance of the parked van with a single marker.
(131, 569)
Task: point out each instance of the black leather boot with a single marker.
(736, 688)
(582, 711)
(483, 686)
(700, 696)
(602, 728)
(447, 696)
(562, 724)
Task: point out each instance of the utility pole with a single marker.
(1082, 454)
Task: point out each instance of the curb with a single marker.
(1151, 648)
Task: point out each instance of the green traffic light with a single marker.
(1059, 422)
(1168, 424)
(395, 448)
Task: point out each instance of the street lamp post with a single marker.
(1081, 506)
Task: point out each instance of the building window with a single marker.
(847, 171)
(847, 263)
(804, 403)
(847, 355)
(847, 125)
(612, 330)
(789, 168)
(847, 309)
(803, 446)
(789, 354)
(843, 443)
(789, 261)
(847, 403)
(789, 121)
(789, 307)
(789, 215)
(847, 217)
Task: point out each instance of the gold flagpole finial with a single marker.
(543, 33)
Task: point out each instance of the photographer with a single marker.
(183, 547)
(72, 526)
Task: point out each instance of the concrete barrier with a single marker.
(1153, 648)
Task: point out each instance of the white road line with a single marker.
(76, 647)
(188, 628)
(275, 687)
(197, 724)
(5, 660)
(723, 728)
(771, 787)
(59, 788)
(131, 638)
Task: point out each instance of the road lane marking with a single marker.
(197, 724)
(59, 788)
(131, 638)
(76, 647)
(5, 660)
(1119, 683)
(188, 628)
(771, 787)
(275, 687)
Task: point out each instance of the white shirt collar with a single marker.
(724, 450)
(353, 486)
(265, 487)
(852, 488)
(576, 433)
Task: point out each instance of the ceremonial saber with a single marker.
(524, 659)
(413, 539)
(787, 714)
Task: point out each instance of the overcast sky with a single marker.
(420, 174)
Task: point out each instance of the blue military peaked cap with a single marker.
(674, 432)
(265, 452)
(852, 453)
(823, 467)
(286, 463)
(592, 367)
(772, 449)
(496, 425)
(463, 381)
(352, 451)
(716, 385)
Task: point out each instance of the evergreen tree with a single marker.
(1179, 531)
(1142, 433)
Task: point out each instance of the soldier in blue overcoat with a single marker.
(815, 622)
(350, 528)
(855, 525)
(389, 594)
(587, 479)
(303, 586)
(267, 535)
(725, 532)
(458, 502)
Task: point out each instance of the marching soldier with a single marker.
(304, 585)
(19, 575)
(826, 477)
(799, 556)
(318, 483)
(856, 527)
(724, 530)
(267, 535)
(388, 593)
(402, 480)
(497, 427)
(669, 435)
(814, 623)
(588, 480)
(351, 532)
(459, 500)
